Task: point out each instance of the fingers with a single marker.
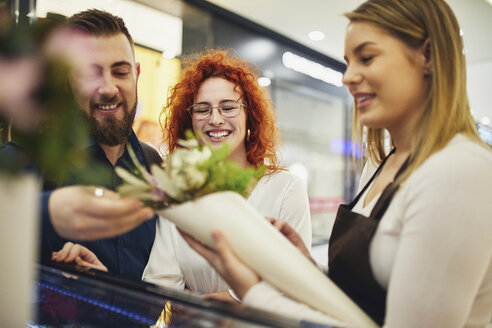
(117, 225)
(62, 253)
(68, 253)
(209, 254)
(110, 204)
(236, 273)
(117, 215)
(88, 256)
(91, 228)
(109, 194)
(223, 255)
(80, 255)
(224, 250)
(88, 265)
(73, 253)
(76, 213)
(229, 260)
(281, 226)
(221, 297)
(289, 232)
(84, 225)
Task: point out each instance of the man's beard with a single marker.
(111, 131)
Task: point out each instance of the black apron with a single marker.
(348, 251)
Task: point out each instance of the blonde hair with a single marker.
(447, 111)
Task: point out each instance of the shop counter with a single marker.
(66, 297)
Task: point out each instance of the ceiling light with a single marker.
(268, 74)
(169, 54)
(258, 49)
(264, 81)
(317, 35)
(312, 69)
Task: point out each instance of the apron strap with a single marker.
(356, 199)
(387, 195)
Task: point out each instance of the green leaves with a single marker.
(228, 175)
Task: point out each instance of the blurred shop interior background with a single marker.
(302, 72)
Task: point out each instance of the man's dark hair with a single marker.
(99, 23)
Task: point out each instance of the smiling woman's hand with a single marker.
(234, 271)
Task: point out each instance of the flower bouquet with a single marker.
(200, 192)
(190, 172)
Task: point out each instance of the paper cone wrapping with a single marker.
(266, 251)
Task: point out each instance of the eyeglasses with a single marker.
(226, 109)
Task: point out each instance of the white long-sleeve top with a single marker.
(432, 250)
(172, 263)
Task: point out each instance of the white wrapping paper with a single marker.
(266, 251)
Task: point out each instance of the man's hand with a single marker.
(80, 255)
(76, 213)
(235, 272)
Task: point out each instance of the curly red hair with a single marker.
(261, 145)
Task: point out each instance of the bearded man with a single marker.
(105, 87)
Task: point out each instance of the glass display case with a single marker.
(65, 297)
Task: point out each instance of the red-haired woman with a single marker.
(220, 99)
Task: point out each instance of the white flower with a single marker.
(183, 168)
(190, 143)
(165, 183)
(195, 177)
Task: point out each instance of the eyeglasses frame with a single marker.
(241, 105)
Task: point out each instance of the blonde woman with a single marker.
(414, 248)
